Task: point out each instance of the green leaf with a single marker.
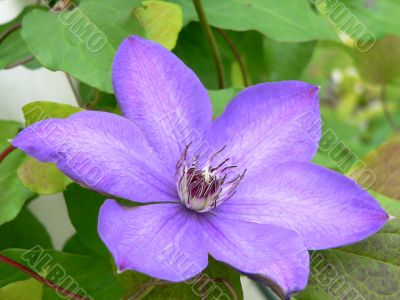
(29, 289)
(368, 270)
(13, 49)
(193, 50)
(42, 178)
(327, 58)
(383, 165)
(286, 61)
(162, 21)
(94, 99)
(83, 209)
(285, 20)
(81, 41)
(263, 59)
(217, 281)
(42, 110)
(250, 45)
(13, 194)
(221, 98)
(8, 129)
(381, 17)
(25, 231)
(84, 274)
(381, 64)
(75, 245)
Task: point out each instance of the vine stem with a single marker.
(236, 53)
(212, 42)
(41, 279)
(221, 280)
(10, 30)
(388, 116)
(7, 33)
(74, 90)
(20, 62)
(6, 151)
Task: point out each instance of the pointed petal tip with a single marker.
(314, 89)
(308, 88)
(136, 39)
(133, 38)
(120, 269)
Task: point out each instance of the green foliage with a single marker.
(286, 60)
(13, 49)
(381, 17)
(83, 209)
(264, 59)
(92, 98)
(193, 50)
(83, 39)
(13, 194)
(161, 21)
(25, 231)
(384, 163)
(381, 64)
(216, 281)
(29, 289)
(42, 178)
(75, 245)
(221, 98)
(42, 110)
(278, 20)
(94, 276)
(314, 41)
(369, 269)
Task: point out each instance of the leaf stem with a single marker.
(6, 151)
(92, 105)
(41, 279)
(220, 280)
(10, 30)
(236, 53)
(74, 90)
(268, 293)
(212, 42)
(386, 112)
(20, 62)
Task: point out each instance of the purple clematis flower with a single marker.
(241, 188)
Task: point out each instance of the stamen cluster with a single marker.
(204, 189)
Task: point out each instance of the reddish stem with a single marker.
(220, 280)
(41, 279)
(6, 151)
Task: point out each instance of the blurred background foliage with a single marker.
(259, 41)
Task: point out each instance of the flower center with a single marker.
(204, 189)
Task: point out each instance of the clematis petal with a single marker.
(155, 89)
(160, 240)
(103, 151)
(267, 250)
(326, 208)
(269, 123)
